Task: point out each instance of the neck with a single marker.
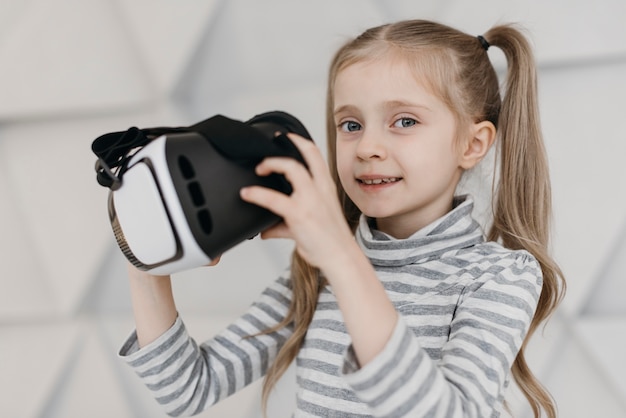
(403, 226)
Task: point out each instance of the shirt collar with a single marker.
(455, 230)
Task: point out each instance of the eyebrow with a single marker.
(344, 108)
(386, 105)
(401, 103)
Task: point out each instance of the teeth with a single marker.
(380, 181)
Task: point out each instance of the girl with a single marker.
(395, 305)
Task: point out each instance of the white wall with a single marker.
(71, 70)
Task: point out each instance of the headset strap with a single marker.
(237, 141)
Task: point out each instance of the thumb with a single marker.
(279, 230)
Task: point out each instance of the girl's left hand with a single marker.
(312, 215)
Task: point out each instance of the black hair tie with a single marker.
(483, 42)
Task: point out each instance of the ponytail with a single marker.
(305, 286)
(522, 200)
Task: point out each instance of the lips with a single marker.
(381, 180)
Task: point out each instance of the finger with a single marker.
(311, 154)
(270, 199)
(294, 172)
(279, 230)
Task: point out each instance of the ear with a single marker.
(481, 137)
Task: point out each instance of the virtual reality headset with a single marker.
(173, 198)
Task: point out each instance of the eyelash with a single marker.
(402, 119)
(343, 126)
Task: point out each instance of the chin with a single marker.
(377, 213)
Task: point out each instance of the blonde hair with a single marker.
(456, 67)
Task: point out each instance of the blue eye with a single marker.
(350, 126)
(404, 123)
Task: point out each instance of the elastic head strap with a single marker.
(239, 142)
(113, 151)
(249, 142)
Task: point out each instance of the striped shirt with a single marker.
(465, 306)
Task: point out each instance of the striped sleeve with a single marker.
(186, 378)
(491, 320)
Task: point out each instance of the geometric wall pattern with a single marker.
(71, 70)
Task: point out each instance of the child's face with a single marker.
(396, 154)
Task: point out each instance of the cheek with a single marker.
(344, 166)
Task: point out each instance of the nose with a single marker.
(371, 145)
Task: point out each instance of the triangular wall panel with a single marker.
(580, 387)
(585, 148)
(561, 31)
(90, 38)
(62, 208)
(78, 391)
(32, 360)
(606, 296)
(166, 34)
(604, 339)
(248, 49)
(25, 293)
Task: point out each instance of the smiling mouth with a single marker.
(379, 181)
